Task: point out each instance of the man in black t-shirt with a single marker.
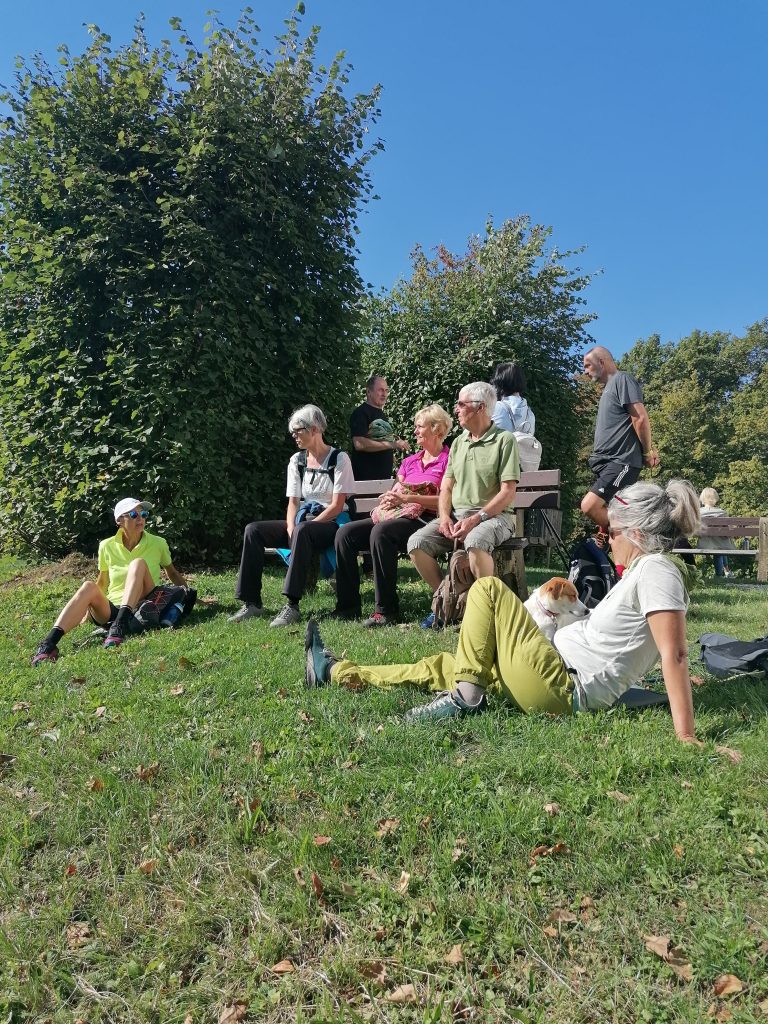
(372, 459)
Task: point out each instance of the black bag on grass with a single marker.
(726, 656)
(592, 572)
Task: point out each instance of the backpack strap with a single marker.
(301, 464)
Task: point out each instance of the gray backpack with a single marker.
(726, 656)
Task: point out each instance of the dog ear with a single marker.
(556, 588)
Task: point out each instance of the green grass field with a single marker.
(188, 836)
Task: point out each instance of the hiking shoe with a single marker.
(343, 614)
(378, 619)
(114, 637)
(44, 653)
(248, 611)
(319, 660)
(448, 704)
(287, 616)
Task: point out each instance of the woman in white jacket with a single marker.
(512, 411)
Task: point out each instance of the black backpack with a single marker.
(329, 470)
(725, 655)
(592, 572)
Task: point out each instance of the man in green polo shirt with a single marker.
(477, 496)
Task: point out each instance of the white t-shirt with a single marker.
(317, 485)
(613, 648)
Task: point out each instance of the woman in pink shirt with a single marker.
(405, 508)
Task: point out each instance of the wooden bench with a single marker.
(735, 528)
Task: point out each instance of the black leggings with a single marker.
(386, 540)
(307, 538)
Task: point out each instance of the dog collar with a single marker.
(551, 615)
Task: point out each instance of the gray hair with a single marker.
(659, 515)
(306, 417)
(709, 497)
(480, 391)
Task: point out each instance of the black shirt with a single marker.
(369, 465)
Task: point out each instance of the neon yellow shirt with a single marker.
(114, 558)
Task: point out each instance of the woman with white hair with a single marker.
(319, 481)
(709, 499)
(594, 661)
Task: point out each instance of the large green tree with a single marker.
(708, 400)
(509, 296)
(177, 244)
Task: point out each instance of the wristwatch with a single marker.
(484, 517)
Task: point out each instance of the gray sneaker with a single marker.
(287, 616)
(446, 705)
(248, 611)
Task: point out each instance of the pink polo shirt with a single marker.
(413, 471)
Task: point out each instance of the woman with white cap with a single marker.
(129, 569)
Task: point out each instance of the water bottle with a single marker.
(171, 615)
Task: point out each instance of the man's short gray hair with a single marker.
(479, 391)
(306, 417)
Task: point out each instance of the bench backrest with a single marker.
(729, 526)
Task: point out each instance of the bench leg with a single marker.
(762, 551)
(509, 566)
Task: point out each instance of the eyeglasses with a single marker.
(298, 430)
(461, 404)
(133, 514)
(614, 532)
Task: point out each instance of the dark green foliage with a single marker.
(508, 297)
(708, 401)
(177, 257)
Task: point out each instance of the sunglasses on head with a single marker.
(133, 514)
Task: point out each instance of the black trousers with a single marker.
(386, 540)
(307, 538)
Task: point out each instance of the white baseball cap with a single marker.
(127, 504)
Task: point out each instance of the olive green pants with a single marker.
(500, 648)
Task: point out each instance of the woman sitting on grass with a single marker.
(594, 660)
(318, 484)
(129, 570)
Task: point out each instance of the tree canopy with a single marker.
(509, 296)
(177, 244)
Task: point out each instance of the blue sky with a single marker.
(636, 129)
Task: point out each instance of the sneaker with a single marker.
(114, 637)
(448, 704)
(378, 619)
(343, 614)
(319, 660)
(429, 622)
(44, 653)
(287, 616)
(248, 611)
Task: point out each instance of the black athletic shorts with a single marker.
(610, 477)
(113, 610)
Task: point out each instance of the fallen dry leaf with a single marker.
(547, 851)
(307, 719)
(672, 955)
(686, 785)
(7, 761)
(299, 876)
(78, 934)
(162, 665)
(763, 1007)
(551, 931)
(176, 691)
(282, 692)
(208, 600)
(375, 971)
(678, 851)
(562, 917)
(405, 881)
(387, 826)
(586, 902)
(697, 680)
(456, 956)
(52, 735)
(148, 866)
(258, 750)
(402, 994)
(347, 889)
(100, 711)
(185, 663)
(96, 785)
(735, 756)
(233, 1013)
(317, 884)
(728, 985)
(322, 840)
(189, 1019)
(284, 967)
(70, 869)
(20, 705)
(379, 728)
(148, 773)
(77, 681)
(552, 809)
(616, 794)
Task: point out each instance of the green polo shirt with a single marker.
(479, 468)
(114, 558)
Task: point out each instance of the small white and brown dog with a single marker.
(555, 604)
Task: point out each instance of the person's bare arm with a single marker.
(445, 506)
(174, 575)
(497, 504)
(330, 512)
(641, 425)
(367, 444)
(290, 516)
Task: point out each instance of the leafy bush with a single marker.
(456, 317)
(177, 260)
